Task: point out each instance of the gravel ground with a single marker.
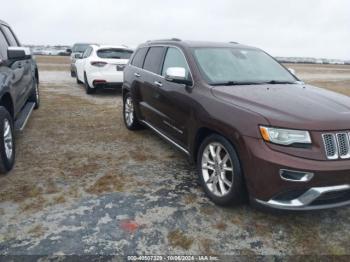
(83, 184)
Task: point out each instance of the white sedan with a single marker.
(102, 66)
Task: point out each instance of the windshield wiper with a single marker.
(277, 82)
(235, 83)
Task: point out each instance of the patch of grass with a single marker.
(51, 188)
(190, 198)
(220, 226)
(33, 205)
(206, 246)
(65, 60)
(108, 183)
(335, 250)
(207, 210)
(59, 199)
(73, 192)
(141, 154)
(36, 231)
(84, 169)
(178, 239)
(20, 193)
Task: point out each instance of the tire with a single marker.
(72, 73)
(228, 188)
(88, 89)
(7, 141)
(130, 119)
(35, 96)
(78, 81)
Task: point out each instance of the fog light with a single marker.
(295, 176)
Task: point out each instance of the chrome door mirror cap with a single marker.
(175, 73)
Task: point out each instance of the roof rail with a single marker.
(3, 22)
(232, 42)
(170, 39)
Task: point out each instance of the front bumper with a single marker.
(328, 185)
(308, 200)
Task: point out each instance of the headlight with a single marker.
(285, 137)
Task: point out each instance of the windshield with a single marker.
(80, 48)
(239, 66)
(114, 53)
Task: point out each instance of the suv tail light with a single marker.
(98, 64)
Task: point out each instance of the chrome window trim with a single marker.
(165, 45)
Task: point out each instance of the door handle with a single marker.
(137, 74)
(157, 83)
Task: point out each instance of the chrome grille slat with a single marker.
(343, 145)
(331, 147)
(337, 145)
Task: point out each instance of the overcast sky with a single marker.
(319, 28)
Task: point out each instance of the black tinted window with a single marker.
(80, 48)
(9, 35)
(3, 47)
(114, 53)
(139, 57)
(153, 59)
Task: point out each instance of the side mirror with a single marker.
(78, 56)
(69, 51)
(292, 71)
(18, 53)
(177, 75)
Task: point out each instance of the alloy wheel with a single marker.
(129, 111)
(37, 91)
(217, 169)
(8, 141)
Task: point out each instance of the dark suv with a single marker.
(19, 92)
(248, 123)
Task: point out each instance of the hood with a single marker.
(291, 106)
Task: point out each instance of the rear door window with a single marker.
(3, 47)
(154, 59)
(80, 48)
(87, 52)
(139, 57)
(114, 53)
(9, 35)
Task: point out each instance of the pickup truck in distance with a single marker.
(19, 92)
(251, 126)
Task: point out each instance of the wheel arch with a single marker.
(205, 131)
(236, 141)
(36, 74)
(7, 102)
(125, 91)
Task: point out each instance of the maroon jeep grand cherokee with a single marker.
(249, 124)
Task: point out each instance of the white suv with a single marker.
(102, 66)
(77, 50)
